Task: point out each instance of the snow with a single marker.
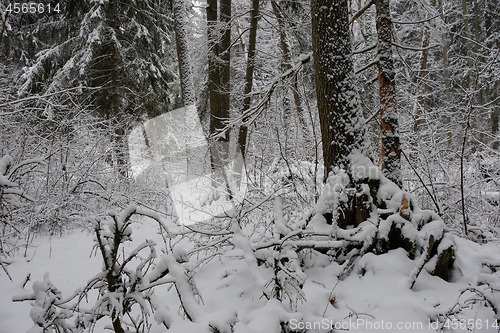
(230, 292)
(492, 197)
(172, 150)
(69, 265)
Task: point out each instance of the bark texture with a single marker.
(341, 120)
(219, 43)
(252, 41)
(213, 60)
(391, 151)
(287, 65)
(225, 58)
(185, 72)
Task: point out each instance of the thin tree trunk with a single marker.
(495, 118)
(480, 89)
(391, 152)
(447, 82)
(117, 121)
(421, 86)
(468, 35)
(252, 41)
(213, 62)
(286, 65)
(225, 57)
(471, 82)
(489, 24)
(4, 28)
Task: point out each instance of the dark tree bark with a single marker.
(468, 42)
(185, 72)
(421, 85)
(341, 120)
(219, 44)
(120, 149)
(186, 79)
(494, 122)
(252, 41)
(225, 58)
(391, 151)
(447, 81)
(492, 26)
(213, 60)
(219, 76)
(287, 65)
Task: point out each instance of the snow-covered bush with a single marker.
(232, 275)
(268, 266)
(439, 187)
(121, 287)
(384, 218)
(15, 203)
(49, 312)
(123, 290)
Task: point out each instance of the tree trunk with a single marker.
(421, 85)
(219, 76)
(185, 72)
(286, 65)
(341, 119)
(252, 41)
(491, 26)
(191, 118)
(219, 86)
(447, 81)
(213, 62)
(495, 115)
(117, 120)
(468, 34)
(391, 152)
(225, 58)
(480, 59)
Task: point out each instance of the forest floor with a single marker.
(375, 297)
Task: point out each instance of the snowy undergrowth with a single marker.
(439, 189)
(276, 273)
(230, 293)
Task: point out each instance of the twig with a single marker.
(330, 298)
(411, 48)
(361, 11)
(6, 271)
(423, 183)
(415, 22)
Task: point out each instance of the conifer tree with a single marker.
(116, 51)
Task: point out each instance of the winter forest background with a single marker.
(369, 196)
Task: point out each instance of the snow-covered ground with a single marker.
(375, 297)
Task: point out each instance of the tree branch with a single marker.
(411, 48)
(361, 11)
(416, 22)
(365, 67)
